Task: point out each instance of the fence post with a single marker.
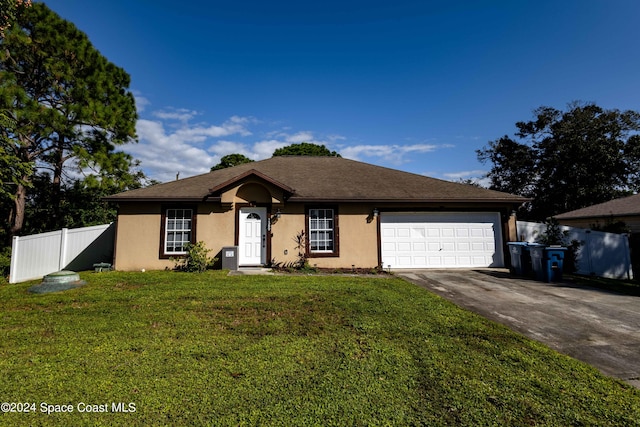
(628, 257)
(63, 249)
(587, 247)
(14, 259)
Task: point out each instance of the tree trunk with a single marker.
(57, 183)
(16, 218)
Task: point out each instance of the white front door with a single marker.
(252, 236)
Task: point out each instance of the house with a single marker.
(625, 209)
(353, 214)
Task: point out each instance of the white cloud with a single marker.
(395, 153)
(169, 144)
(164, 153)
(465, 174)
(222, 148)
(264, 149)
(299, 137)
(141, 101)
(180, 114)
(476, 175)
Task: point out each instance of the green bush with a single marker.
(196, 260)
(554, 235)
(5, 262)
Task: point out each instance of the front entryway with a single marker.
(252, 236)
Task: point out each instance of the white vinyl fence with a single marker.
(74, 249)
(601, 254)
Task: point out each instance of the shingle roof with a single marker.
(625, 206)
(322, 179)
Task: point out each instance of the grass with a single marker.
(207, 349)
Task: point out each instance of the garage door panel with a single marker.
(447, 232)
(420, 260)
(404, 261)
(480, 233)
(464, 246)
(462, 232)
(403, 232)
(431, 240)
(448, 246)
(418, 233)
(388, 247)
(480, 246)
(388, 232)
(404, 246)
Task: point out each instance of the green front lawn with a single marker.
(207, 349)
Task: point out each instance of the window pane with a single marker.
(178, 230)
(321, 224)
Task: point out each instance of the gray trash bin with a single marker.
(536, 250)
(230, 258)
(520, 258)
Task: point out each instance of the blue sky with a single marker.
(413, 85)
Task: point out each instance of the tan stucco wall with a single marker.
(358, 238)
(138, 238)
(138, 234)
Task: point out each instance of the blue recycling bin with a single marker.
(547, 262)
(520, 258)
(554, 263)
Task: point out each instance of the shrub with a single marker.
(554, 235)
(5, 262)
(196, 259)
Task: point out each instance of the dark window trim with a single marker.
(163, 222)
(336, 232)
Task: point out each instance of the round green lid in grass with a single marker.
(63, 276)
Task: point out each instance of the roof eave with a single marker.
(430, 200)
(160, 199)
(252, 172)
(609, 215)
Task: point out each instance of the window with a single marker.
(178, 226)
(322, 231)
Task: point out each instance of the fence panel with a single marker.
(75, 249)
(601, 254)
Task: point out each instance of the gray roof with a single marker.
(308, 179)
(625, 206)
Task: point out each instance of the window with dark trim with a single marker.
(322, 231)
(178, 229)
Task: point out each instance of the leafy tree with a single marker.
(9, 10)
(469, 181)
(305, 149)
(69, 105)
(81, 203)
(566, 160)
(231, 160)
(12, 169)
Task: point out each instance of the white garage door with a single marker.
(441, 240)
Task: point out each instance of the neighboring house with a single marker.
(353, 215)
(625, 209)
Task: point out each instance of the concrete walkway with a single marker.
(598, 327)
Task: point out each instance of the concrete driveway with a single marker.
(592, 325)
